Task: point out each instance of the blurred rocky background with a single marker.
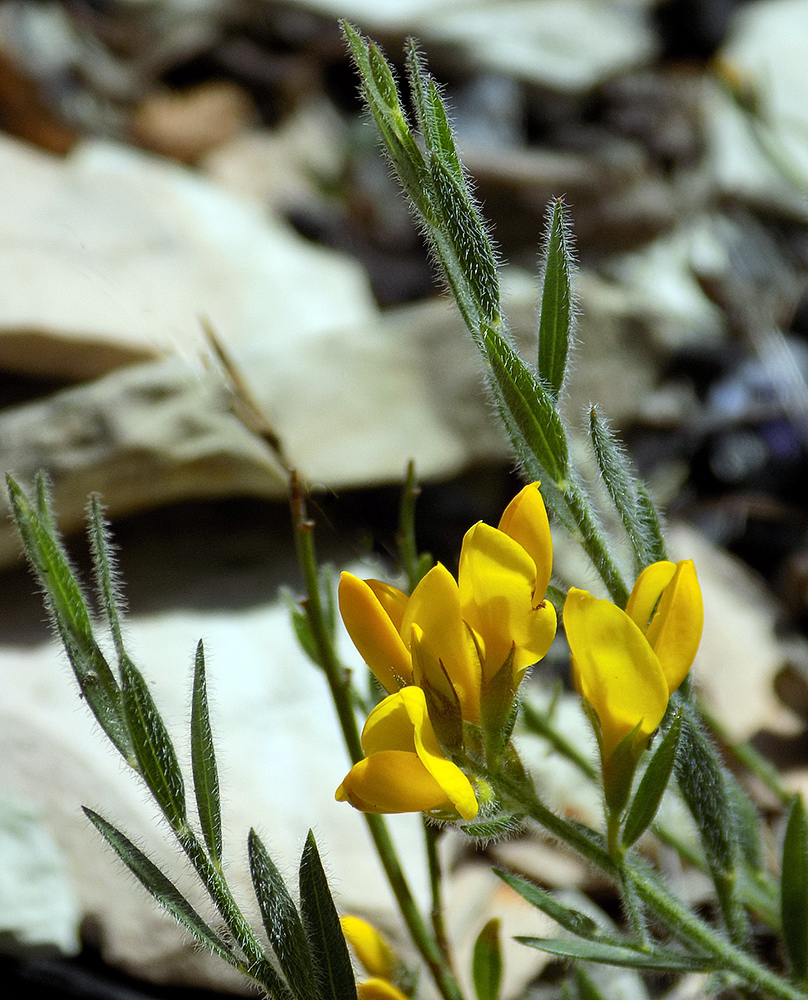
(171, 166)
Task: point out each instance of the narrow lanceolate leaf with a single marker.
(69, 612)
(486, 964)
(203, 762)
(332, 963)
(657, 960)
(703, 783)
(161, 887)
(555, 321)
(471, 249)
(382, 98)
(652, 787)
(571, 920)
(281, 921)
(106, 571)
(628, 495)
(531, 417)
(155, 752)
(794, 889)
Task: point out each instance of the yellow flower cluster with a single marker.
(442, 655)
(436, 653)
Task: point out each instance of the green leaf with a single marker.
(530, 414)
(496, 710)
(332, 963)
(203, 762)
(486, 965)
(498, 828)
(571, 920)
(381, 96)
(794, 889)
(281, 921)
(155, 752)
(106, 571)
(652, 786)
(587, 988)
(472, 251)
(161, 887)
(618, 771)
(656, 960)
(69, 612)
(703, 784)
(628, 495)
(555, 322)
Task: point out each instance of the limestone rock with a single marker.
(280, 758)
(111, 255)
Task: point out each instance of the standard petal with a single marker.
(374, 633)
(647, 591)
(618, 672)
(675, 630)
(435, 608)
(525, 520)
(496, 585)
(392, 781)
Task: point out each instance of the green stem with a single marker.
(683, 924)
(339, 685)
(595, 543)
(214, 881)
(432, 835)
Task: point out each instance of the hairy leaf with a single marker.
(155, 752)
(486, 965)
(281, 921)
(652, 787)
(203, 762)
(161, 887)
(332, 963)
(555, 322)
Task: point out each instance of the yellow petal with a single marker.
(405, 770)
(448, 775)
(435, 608)
(374, 633)
(525, 520)
(647, 591)
(393, 600)
(675, 630)
(427, 671)
(379, 989)
(618, 672)
(496, 581)
(389, 727)
(369, 946)
(392, 781)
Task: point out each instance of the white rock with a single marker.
(113, 255)
(766, 44)
(280, 757)
(568, 45)
(38, 904)
(740, 653)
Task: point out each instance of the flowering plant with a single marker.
(451, 655)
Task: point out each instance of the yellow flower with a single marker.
(404, 769)
(370, 947)
(379, 989)
(626, 664)
(452, 637)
